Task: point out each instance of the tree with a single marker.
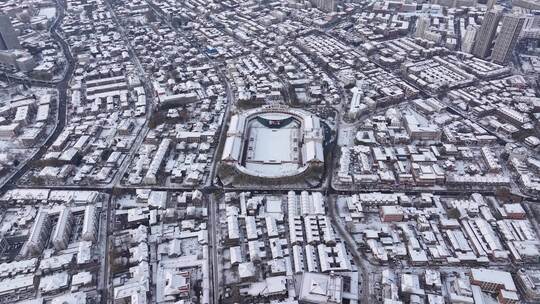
(454, 213)
(184, 115)
(503, 194)
(150, 16)
(156, 119)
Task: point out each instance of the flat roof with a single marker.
(16, 283)
(494, 276)
(321, 288)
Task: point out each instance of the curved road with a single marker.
(61, 86)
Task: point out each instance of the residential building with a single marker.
(507, 38)
(487, 33)
(469, 38)
(8, 36)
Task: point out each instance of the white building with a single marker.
(90, 223)
(62, 230)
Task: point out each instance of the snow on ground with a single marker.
(346, 136)
(272, 145)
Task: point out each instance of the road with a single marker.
(62, 87)
(364, 295)
(210, 188)
(213, 222)
(212, 207)
(226, 117)
(364, 283)
(150, 102)
(104, 281)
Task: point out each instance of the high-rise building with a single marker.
(422, 24)
(325, 5)
(491, 4)
(8, 37)
(486, 34)
(532, 21)
(467, 42)
(507, 38)
(452, 3)
(423, 30)
(528, 4)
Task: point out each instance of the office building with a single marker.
(497, 282)
(486, 34)
(507, 38)
(391, 213)
(8, 36)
